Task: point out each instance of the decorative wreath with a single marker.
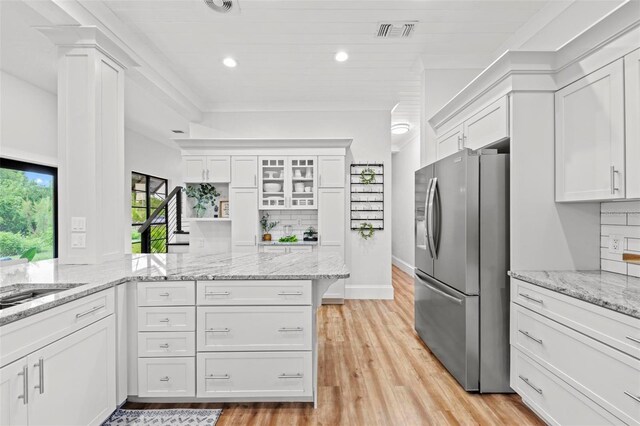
(366, 230)
(367, 176)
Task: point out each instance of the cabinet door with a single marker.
(331, 232)
(244, 171)
(244, 219)
(274, 249)
(632, 97)
(449, 143)
(489, 125)
(73, 380)
(194, 168)
(590, 137)
(331, 171)
(14, 385)
(301, 186)
(218, 168)
(273, 180)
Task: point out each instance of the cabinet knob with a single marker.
(164, 379)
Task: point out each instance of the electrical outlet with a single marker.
(616, 244)
(78, 240)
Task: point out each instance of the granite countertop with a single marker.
(617, 292)
(82, 280)
(278, 243)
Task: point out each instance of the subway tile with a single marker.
(613, 219)
(627, 231)
(626, 206)
(604, 254)
(613, 266)
(634, 270)
(633, 219)
(633, 244)
(604, 241)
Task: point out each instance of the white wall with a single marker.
(405, 163)
(369, 261)
(438, 87)
(28, 122)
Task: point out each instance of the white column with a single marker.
(90, 145)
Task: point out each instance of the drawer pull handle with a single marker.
(526, 333)
(218, 377)
(165, 346)
(165, 294)
(218, 330)
(630, 395)
(217, 293)
(535, 388)
(164, 379)
(40, 385)
(290, 376)
(25, 385)
(285, 329)
(165, 320)
(633, 339)
(90, 311)
(533, 299)
(290, 293)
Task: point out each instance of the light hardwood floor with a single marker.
(374, 370)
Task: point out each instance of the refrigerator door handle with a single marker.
(438, 220)
(430, 218)
(426, 217)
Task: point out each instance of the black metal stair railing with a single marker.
(163, 225)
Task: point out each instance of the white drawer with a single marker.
(166, 293)
(553, 399)
(24, 336)
(265, 292)
(254, 328)
(169, 318)
(166, 344)
(274, 249)
(600, 372)
(613, 328)
(255, 374)
(158, 377)
(300, 249)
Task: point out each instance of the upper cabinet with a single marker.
(485, 127)
(331, 171)
(590, 138)
(206, 168)
(244, 171)
(288, 182)
(632, 105)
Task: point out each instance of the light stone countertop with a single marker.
(82, 280)
(617, 292)
(278, 243)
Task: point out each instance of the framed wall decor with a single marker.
(224, 209)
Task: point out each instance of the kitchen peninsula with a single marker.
(167, 327)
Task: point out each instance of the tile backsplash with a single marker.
(299, 220)
(620, 219)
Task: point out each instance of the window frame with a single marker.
(147, 206)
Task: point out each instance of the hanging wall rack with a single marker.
(367, 199)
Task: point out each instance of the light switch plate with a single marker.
(78, 240)
(78, 224)
(616, 244)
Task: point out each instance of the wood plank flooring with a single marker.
(374, 370)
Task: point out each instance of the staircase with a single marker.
(163, 232)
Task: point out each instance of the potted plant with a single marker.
(267, 226)
(311, 234)
(203, 194)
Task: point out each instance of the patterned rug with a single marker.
(172, 417)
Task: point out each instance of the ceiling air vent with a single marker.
(222, 6)
(396, 29)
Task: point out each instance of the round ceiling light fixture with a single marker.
(342, 56)
(221, 6)
(400, 128)
(229, 62)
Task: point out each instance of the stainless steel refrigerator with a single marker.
(462, 257)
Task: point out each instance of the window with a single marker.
(28, 211)
(147, 193)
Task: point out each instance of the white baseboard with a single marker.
(409, 269)
(384, 292)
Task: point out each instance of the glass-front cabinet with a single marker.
(288, 182)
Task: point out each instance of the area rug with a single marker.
(172, 417)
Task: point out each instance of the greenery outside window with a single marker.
(147, 193)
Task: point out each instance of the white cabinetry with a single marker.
(288, 182)
(449, 142)
(590, 148)
(331, 171)
(244, 171)
(632, 112)
(285, 249)
(556, 341)
(206, 168)
(14, 389)
(331, 232)
(244, 226)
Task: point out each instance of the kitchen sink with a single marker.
(26, 295)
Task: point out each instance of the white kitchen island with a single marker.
(163, 328)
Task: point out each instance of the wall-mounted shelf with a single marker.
(209, 219)
(367, 199)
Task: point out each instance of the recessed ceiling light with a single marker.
(229, 62)
(400, 128)
(342, 56)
